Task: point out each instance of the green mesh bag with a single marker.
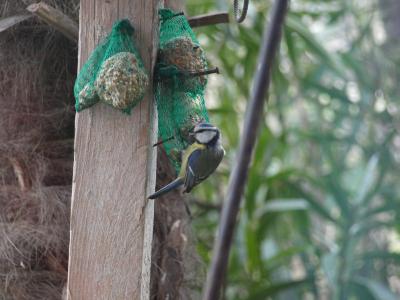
(114, 72)
(180, 84)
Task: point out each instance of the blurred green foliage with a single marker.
(320, 214)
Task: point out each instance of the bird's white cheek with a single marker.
(205, 136)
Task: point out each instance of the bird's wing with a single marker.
(199, 167)
(185, 157)
(191, 170)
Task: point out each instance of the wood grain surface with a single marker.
(114, 171)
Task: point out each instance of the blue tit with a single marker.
(199, 160)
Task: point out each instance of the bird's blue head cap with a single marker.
(205, 133)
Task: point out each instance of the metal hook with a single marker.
(240, 18)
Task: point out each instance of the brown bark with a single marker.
(177, 270)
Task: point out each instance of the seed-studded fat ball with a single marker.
(188, 57)
(121, 82)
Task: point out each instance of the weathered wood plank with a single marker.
(114, 171)
(56, 19)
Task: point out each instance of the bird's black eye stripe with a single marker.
(206, 129)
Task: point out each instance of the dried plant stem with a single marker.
(56, 19)
(21, 173)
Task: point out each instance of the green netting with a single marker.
(179, 91)
(114, 72)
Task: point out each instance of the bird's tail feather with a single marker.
(170, 186)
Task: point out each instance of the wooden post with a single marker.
(114, 171)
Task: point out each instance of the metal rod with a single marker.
(205, 72)
(209, 19)
(238, 176)
(163, 141)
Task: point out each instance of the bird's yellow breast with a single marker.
(189, 150)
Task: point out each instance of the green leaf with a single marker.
(360, 291)
(333, 92)
(359, 229)
(294, 24)
(392, 205)
(330, 267)
(253, 254)
(282, 205)
(377, 289)
(380, 255)
(257, 177)
(353, 63)
(315, 204)
(291, 47)
(367, 181)
(281, 257)
(276, 288)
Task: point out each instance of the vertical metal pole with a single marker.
(238, 177)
